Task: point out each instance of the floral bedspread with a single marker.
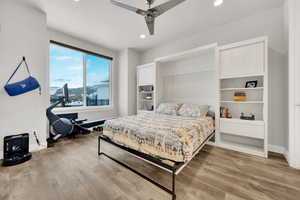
(168, 137)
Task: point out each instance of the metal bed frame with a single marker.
(174, 170)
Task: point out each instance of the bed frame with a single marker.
(174, 170)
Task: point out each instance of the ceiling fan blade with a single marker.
(150, 25)
(128, 7)
(165, 7)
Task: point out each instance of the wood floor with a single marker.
(73, 171)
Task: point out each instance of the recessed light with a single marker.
(76, 0)
(218, 3)
(142, 36)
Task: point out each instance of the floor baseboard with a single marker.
(286, 155)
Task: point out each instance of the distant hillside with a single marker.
(53, 90)
(56, 91)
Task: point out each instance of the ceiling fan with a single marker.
(151, 13)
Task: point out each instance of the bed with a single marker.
(162, 136)
(166, 140)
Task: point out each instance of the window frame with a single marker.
(84, 107)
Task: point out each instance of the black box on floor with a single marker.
(16, 149)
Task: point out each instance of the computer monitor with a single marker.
(66, 92)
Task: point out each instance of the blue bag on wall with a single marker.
(21, 87)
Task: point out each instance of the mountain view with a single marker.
(96, 95)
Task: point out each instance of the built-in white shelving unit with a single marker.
(146, 88)
(239, 63)
(211, 75)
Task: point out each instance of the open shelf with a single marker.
(146, 92)
(249, 149)
(230, 89)
(241, 76)
(145, 111)
(244, 102)
(147, 100)
(240, 83)
(254, 122)
(248, 145)
(236, 109)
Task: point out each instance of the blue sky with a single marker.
(66, 66)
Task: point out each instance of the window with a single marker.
(87, 74)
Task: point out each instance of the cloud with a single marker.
(63, 57)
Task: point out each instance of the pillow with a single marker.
(168, 108)
(193, 110)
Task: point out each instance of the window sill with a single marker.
(83, 109)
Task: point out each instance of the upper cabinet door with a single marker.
(244, 60)
(146, 75)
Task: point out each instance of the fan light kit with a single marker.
(151, 13)
(218, 3)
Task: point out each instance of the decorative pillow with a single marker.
(168, 108)
(193, 110)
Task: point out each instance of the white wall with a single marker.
(278, 101)
(123, 82)
(133, 62)
(294, 82)
(129, 60)
(23, 33)
(76, 42)
(267, 23)
(286, 43)
(286, 25)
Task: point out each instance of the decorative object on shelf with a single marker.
(240, 96)
(146, 88)
(224, 113)
(247, 117)
(148, 98)
(227, 113)
(149, 107)
(251, 84)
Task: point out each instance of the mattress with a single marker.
(165, 137)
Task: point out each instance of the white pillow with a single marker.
(168, 108)
(193, 110)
